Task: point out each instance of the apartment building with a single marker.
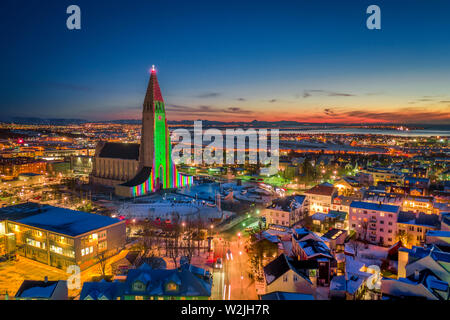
(380, 174)
(285, 211)
(414, 226)
(375, 223)
(319, 198)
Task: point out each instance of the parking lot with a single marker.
(13, 273)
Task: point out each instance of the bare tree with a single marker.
(188, 240)
(148, 239)
(404, 237)
(172, 242)
(258, 249)
(355, 245)
(364, 227)
(101, 260)
(199, 225)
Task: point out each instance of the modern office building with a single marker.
(59, 237)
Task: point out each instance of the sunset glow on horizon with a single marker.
(313, 62)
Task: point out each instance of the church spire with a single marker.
(153, 92)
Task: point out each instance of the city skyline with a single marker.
(313, 63)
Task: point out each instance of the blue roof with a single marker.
(438, 233)
(189, 282)
(65, 221)
(280, 295)
(374, 206)
(319, 216)
(421, 219)
(36, 289)
(302, 231)
(413, 180)
(102, 290)
(269, 237)
(332, 215)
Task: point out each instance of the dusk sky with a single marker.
(303, 60)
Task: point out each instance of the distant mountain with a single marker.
(254, 123)
(41, 121)
(125, 121)
(209, 123)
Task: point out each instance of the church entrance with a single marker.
(159, 181)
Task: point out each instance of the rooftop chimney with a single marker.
(416, 275)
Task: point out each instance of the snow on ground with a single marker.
(204, 191)
(165, 210)
(373, 254)
(354, 266)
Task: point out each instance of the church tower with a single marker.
(152, 97)
(156, 169)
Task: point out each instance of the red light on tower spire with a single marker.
(153, 68)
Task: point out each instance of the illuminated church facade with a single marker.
(139, 169)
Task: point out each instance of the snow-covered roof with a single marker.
(279, 295)
(61, 220)
(374, 206)
(36, 289)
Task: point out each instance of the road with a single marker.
(232, 282)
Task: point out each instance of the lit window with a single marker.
(171, 286)
(102, 245)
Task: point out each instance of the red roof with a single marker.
(321, 190)
(153, 91)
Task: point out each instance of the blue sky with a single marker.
(312, 61)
